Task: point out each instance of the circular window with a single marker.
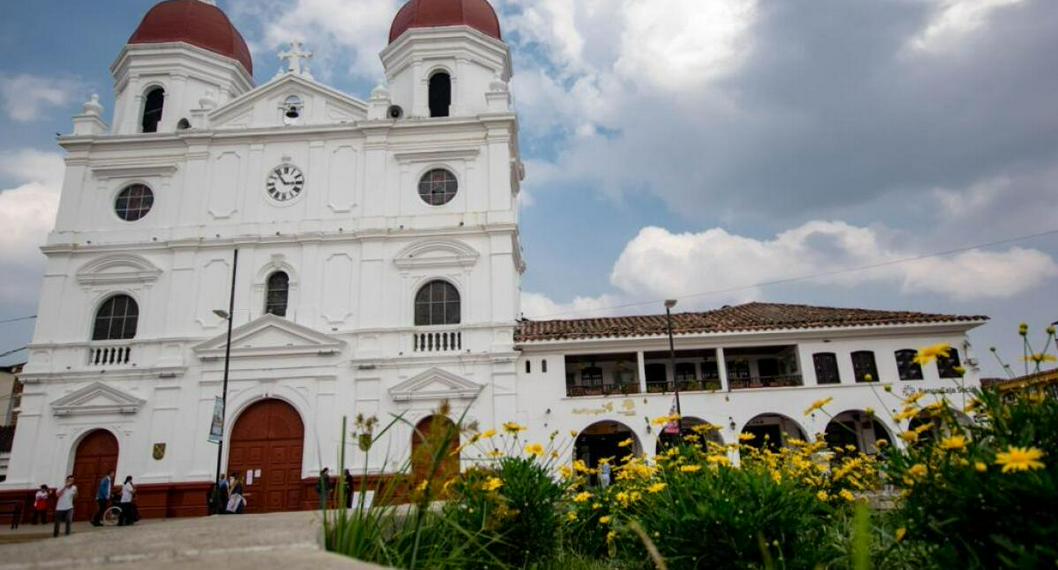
(437, 187)
(134, 202)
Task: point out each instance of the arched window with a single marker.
(905, 363)
(864, 367)
(116, 319)
(437, 303)
(277, 294)
(152, 109)
(440, 94)
(134, 202)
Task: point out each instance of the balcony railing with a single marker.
(601, 390)
(705, 385)
(109, 355)
(780, 381)
(437, 341)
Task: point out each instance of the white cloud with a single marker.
(26, 97)
(27, 214)
(537, 306)
(955, 19)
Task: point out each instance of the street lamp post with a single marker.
(669, 304)
(228, 316)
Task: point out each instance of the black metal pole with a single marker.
(227, 360)
(672, 364)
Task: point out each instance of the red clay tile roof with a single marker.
(477, 14)
(742, 318)
(194, 22)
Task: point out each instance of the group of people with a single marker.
(326, 485)
(105, 495)
(226, 497)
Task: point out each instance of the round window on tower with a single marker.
(437, 187)
(134, 202)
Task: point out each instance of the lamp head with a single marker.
(221, 313)
(670, 303)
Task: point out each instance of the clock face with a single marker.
(285, 183)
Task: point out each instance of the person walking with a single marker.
(40, 505)
(103, 497)
(348, 480)
(604, 473)
(223, 489)
(323, 487)
(128, 507)
(64, 506)
(236, 502)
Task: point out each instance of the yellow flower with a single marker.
(582, 497)
(980, 467)
(488, 434)
(421, 486)
(847, 495)
(746, 437)
(580, 466)
(953, 443)
(573, 434)
(1023, 329)
(622, 498)
(566, 471)
(931, 353)
(571, 517)
(1041, 358)
(906, 414)
(818, 405)
(1020, 459)
(513, 428)
(534, 449)
(665, 420)
(596, 506)
(611, 536)
(656, 488)
(918, 471)
(626, 443)
(882, 443)
(492, 484)
(822, 496)
(900, 534)
(914, 398)
(869, 411)
(690, 468)
(718, 460)
(605, 519)
(495, 454)
(909, 436)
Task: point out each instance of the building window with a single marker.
(528, 366)
(134, 202)
(277, 294)
(656, 373)
(946, 366)
(591, 376)
(437, 303)
(437, 187)
(152, 110)
(543, 366)
(685, 372)
(906, 365)
(710, 370)
(116, 319)
(864, 367)
(440, 94)
(826, 368)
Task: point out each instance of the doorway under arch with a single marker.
(96, 455)
(858, 429)
(691, 426)
(773, 431)
(269, 437)
(433, 435)
(602, 441)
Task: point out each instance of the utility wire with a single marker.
(18, 319)
(810, 276)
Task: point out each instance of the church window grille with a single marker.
(134, 202)
(437, 303)
(437, 187)
(116, 319)
(440, 96)
(277, 293)
(863, 366)
(152, 109)
(906, 365)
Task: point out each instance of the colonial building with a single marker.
(371, 253)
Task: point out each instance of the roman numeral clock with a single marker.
(285, 183)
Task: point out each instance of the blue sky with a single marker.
(676, 147)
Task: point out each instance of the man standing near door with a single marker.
(103, 497)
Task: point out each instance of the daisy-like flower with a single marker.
(718, 460)
(626, 443)
(953, 443)
(931, 353)
(488, 434)
(665, 420)
(492, 484)
(513, 428)
(900, 534)
(656, 488)
(690, 468)
(571, 517)
(534, 449)
(914, 398)
(822, 496)
(746, 437)
(818, 405)
(582, 497)
(980, 467)
(605, 519)
(495, 454)
(909, 436)
(1040, 358)
(1020, 459)
(918, 471)
(847, 495)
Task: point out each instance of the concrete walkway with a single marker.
(252, 542)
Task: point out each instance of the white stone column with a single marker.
(721, 366)
(641, 369)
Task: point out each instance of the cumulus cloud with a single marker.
(726, 267)
(954, 19)
(26, 98)
(27, 214)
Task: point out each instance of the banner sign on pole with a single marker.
(216, 429)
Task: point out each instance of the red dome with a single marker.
(197, 23)
(477, 14)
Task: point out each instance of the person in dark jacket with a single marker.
(348, 477)
(103, 497)
(323, 487)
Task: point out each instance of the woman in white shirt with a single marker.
(128, 508)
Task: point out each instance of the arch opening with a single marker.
(96, 455)
(277, 294)
(434, 445)
(153, 104)
(772, 431)
(701, 431)
(440, 96)
(858, 429)
(268, 436)
(600, 443)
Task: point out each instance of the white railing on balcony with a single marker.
(109, 355)
(437, 341)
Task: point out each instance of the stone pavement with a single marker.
(290, 541)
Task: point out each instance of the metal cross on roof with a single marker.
(296, 58)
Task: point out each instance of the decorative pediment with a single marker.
(436, 253)
(121, 268)
(270, 336)
(96, 399)
(261, 107)
(435, 384)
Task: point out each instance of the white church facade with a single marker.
(377, 272)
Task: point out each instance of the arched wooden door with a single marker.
(268, 439)
(96, 454)
(431, 433)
